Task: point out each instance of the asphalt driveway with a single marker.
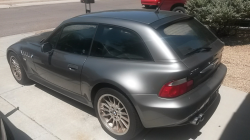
(36, 112)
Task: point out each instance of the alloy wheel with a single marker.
(113, 114)
(15, 68)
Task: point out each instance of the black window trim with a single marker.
(121, 27)
(60, 29)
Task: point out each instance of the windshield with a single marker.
(186, 36)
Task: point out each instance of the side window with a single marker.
(115, 42)
(54, 39)
(76, 39)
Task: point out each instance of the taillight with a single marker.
(175, 88)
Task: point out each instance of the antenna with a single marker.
(158, 8)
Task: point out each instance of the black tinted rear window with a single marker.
(186, 36)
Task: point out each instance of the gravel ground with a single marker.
(237, 60)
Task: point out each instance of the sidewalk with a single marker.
(20, 3)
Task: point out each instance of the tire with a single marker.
(17, 69)
(132, 120)
(179, 9)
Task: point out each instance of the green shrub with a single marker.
(220, 15)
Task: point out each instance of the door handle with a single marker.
(72, 67)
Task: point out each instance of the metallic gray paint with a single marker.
(140, 81)
(160, 112)
(143, 16)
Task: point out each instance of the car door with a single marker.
(65, 61)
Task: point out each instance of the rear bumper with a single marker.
(160, 112)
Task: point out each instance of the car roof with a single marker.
(141, 16)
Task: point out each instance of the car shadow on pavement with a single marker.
(68, 100)
(185, 132)
(238, 128)
(12, 132)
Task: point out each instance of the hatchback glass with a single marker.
(186, 36)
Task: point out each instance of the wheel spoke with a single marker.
(122, 108)
(110, 100)
(104, 109)
(17, 74)
(18, 71)
(124, 123)
(124, 113)
(124, 118)
(110, 120)
(120, 123)
(105, 105)
(15, 68)
(105, 115)
(13, 61)
(107, 102)
(113, 123)
(117, 125)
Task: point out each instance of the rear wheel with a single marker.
(179, 9)
(116, 114)
(17, 69)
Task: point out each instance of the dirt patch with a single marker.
(237, 60)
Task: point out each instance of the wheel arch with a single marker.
(8, 54)
(16, 49)
(18, 57)
(176, 5)
(100, 85)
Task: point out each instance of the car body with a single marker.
(169, 5)
(5, 132)
(150, 2)
(140, 73)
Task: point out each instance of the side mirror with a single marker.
(46, 47)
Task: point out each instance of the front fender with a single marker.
(25, 58)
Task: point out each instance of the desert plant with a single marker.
(220, 15)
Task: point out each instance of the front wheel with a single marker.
(17, 70)
(116, 114)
